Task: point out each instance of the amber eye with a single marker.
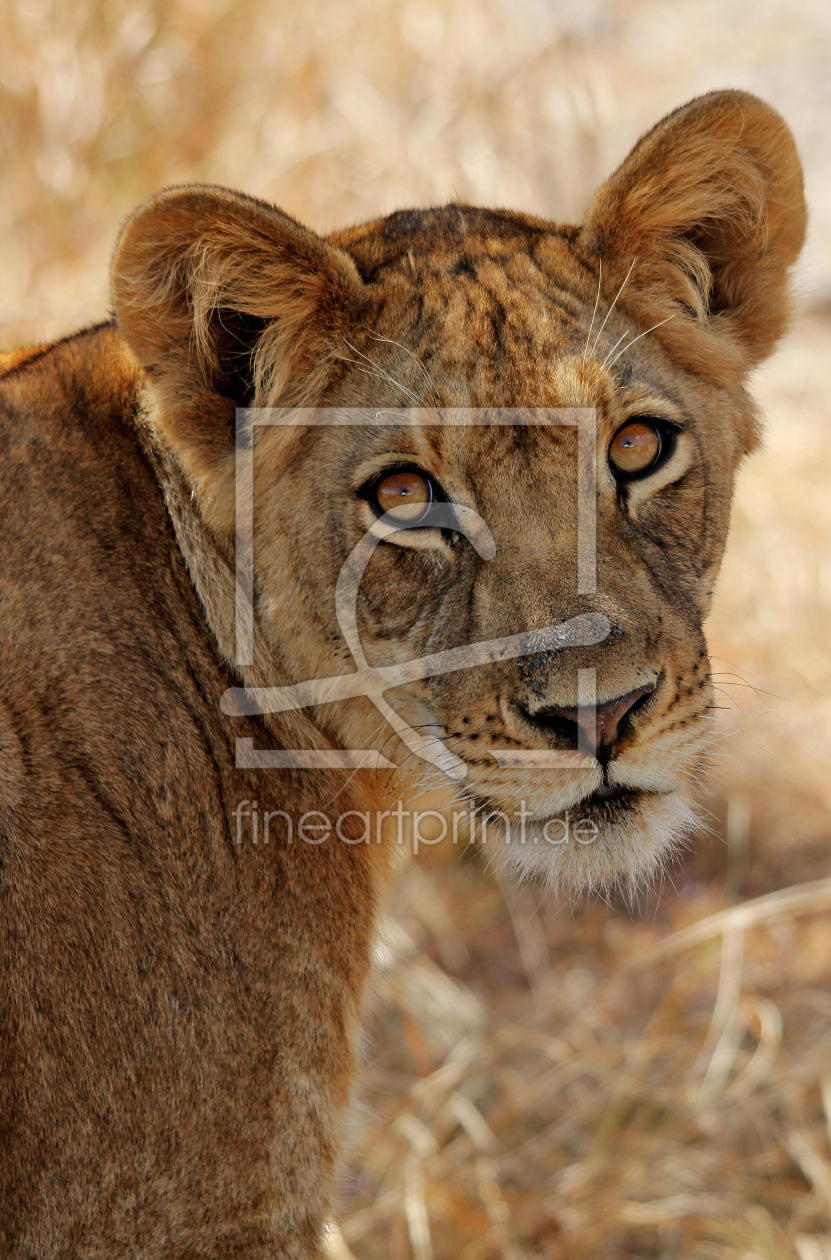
(406, 494)
(636, 448)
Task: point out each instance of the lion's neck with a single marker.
(210, 564)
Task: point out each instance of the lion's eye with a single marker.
(636, 448)
(407, 495)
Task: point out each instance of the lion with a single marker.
(185, 941)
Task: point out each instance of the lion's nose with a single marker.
(594, 729)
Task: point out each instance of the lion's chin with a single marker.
(613, 840)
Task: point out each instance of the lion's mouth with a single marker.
(605, 804)
(610, 800)
(610, 792)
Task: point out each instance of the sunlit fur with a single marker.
(660, 304)
(181, 1011)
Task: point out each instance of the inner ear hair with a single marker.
(225, 301)
(235, 336)
(710, 204)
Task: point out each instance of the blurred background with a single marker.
(542, 1080)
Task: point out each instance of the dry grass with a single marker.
(596, 1099)
(542, 1082)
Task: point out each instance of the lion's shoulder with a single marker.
(100, 628)
(90, 368)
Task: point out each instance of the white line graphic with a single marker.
(579, 631)
(373, 681)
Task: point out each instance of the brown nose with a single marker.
(603, 732)
(597, 729)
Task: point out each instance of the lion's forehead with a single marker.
(455, 241)
(487, 300)
(442, 231)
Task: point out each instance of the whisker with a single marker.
(643, 334)
(614, 347)
(594, 312)
(392, 342)
(345, 785)
(612, 307)
(759, 691)
(379, 371)
(373, 372)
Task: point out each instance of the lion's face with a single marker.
(661, 523)
(642, 325)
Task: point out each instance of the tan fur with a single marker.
(178, 1012)
(10, 359)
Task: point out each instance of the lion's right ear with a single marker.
(226, 302)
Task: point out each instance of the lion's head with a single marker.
(645, 321)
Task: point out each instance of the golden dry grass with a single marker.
(541, 1081)
(581, 1094)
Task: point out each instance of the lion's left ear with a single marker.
(710, 205)
(226, 302)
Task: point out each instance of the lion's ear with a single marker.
(226, 302)
(710, 205)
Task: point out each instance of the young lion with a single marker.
(180, 1001)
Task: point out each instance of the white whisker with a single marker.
(614, 347)
(643, 334)
(594, 312)
(391, 342)
(612, 307)
(379, 372)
